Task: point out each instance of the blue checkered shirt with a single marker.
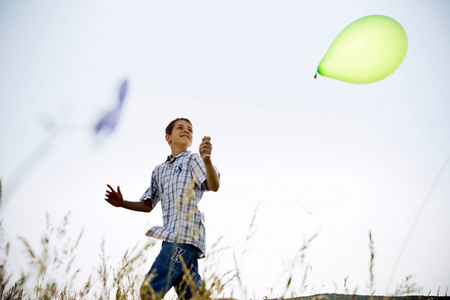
(179, 184)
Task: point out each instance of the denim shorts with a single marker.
(167, 271)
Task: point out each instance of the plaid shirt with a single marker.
(179, 184)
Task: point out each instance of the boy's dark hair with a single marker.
(169, 127)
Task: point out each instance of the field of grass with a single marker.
(52, 273)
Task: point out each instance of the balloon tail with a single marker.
(315, 76)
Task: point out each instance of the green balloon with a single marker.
(367, 50)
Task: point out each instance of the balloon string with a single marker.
(282, 186)
(416, 219)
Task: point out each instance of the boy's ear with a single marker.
(168, 139)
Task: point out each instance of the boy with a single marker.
(179, 184)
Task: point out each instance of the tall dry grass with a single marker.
(52, 272)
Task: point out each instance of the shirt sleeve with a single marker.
(198, 168)
(151, 194)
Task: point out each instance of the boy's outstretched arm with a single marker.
(212, 178)
(116, 199)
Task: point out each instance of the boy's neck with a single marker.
(177, 150)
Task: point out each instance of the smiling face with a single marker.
(182, 134)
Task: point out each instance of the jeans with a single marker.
(167, 271)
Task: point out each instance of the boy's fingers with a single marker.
(118, 190)
(205, 149)
(206, 144)
(110, 187)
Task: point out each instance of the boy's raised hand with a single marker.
(114, 198)
(205, 148)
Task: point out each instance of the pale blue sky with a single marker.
(359, 157)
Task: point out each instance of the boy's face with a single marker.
(182, 134)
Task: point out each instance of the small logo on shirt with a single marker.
(179, 252)
(178, 169)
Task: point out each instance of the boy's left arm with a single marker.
(212, 178)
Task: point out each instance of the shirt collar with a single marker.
(170, 160)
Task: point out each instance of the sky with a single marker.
(298, 156)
